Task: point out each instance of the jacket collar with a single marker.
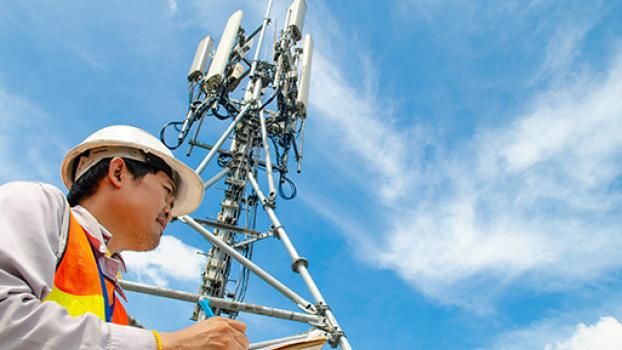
(98, 236)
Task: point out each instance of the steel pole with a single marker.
(299, 264)
(264, 24)
(266, 150)
(261, 273)
(222, 303)
(209, 183)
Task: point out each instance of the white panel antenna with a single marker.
(302, 99)
(216, 72)
(197, 69)
(237, 74)
(296, 18)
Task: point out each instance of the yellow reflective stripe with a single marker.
(78, 305)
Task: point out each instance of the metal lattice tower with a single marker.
(266, 124)
(218, 266)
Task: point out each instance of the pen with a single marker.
(207, 310)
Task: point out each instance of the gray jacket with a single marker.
(32, 218)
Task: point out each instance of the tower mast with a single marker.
(266, 129)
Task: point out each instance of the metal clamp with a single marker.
(275, 231)
(269, 203)
(334, 336)
(297, 262)
(322, 308)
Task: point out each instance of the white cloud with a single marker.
(563, 333)
(604, 335)
(529, 200)
(536, 336)
(578, 123)
(172, 260)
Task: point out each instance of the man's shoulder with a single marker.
(31, 186)
(31, 191)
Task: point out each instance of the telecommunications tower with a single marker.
(265, 131)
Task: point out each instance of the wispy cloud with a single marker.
(549, 32)
(363, 130)
(27, 18)
(24, 154)
(172, 6)
(529, 201)
(536, 336)
(171, 261)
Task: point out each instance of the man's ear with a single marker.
(116, 171)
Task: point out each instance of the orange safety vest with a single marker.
(79, 283)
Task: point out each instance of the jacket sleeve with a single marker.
(31, 217)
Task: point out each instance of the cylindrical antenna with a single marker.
(197, 69)
(296, 18)
(302, 99)
(216, 71)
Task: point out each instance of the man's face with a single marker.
(147, 209)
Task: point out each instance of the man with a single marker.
(59, 258)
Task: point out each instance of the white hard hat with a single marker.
(137, 144)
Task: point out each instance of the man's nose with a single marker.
(168, 208)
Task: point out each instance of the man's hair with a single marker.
(87, 184)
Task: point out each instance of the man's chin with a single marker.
(155, 243)
(148, 246)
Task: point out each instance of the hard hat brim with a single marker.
(190, 188)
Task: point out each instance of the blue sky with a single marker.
(462, 182)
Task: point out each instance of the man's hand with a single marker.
(215, 333)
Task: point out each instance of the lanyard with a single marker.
(108, 309)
